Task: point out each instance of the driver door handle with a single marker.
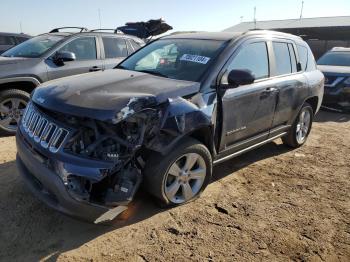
(268, 91)
(271, 89)
(95, 68)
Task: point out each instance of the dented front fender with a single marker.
(181, 118)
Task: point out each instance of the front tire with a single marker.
(301, 128)
(181, 176)
(12, 105)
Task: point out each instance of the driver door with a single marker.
(87, 58)
(248, 110)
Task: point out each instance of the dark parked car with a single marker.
(335, 65)
(164, 117)
(9, 40)
(54, 55)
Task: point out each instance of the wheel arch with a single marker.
(313, 101)
(27, 84)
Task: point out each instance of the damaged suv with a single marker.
(163, 117)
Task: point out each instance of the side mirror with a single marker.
(240, 77)
(63, 56)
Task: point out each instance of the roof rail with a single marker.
(116, 31)
(56, 30)
(102, 29)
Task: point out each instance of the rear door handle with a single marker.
(95, 68)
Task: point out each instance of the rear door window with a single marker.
(282, 58)
(84, 48)
(114, 47)
(253, 57)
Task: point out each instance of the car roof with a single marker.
(340, 49)
(69, 34)
(204, 35)
(225, 36)
(15, 34)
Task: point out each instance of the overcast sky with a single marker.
(204, 15)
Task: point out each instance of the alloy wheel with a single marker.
(303, 126)
(185, 178)
(11, 111)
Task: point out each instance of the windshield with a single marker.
(33, 47)
(182, 59)
(335, 59)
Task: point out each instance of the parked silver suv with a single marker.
(53, 55)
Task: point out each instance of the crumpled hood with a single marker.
(334, 70)
(110, 95)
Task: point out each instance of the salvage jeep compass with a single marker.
(163, 117)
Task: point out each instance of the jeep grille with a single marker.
(43, 131)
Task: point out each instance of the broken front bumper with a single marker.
(49, 187)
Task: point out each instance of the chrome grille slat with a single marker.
(31, 115)
(40, 128)
(43, 131)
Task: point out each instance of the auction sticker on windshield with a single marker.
(195, 58)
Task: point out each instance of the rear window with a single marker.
(114, 47)
(282, 57)
(335, 59)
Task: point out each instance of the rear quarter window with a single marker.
(311, 64)
(306, 59)
(302, 51)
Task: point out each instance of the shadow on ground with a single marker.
(28, 225)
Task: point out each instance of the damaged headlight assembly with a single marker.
(117, 146)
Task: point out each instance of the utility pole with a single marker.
(241, 17)
(302, 8)
(20, 27)
(99, 17)
(254, 17)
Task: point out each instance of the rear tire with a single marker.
(180, 176)
(301, 128)
(12, 105)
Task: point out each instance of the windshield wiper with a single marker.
(156, 73)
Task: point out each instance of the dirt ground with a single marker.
(271, 204)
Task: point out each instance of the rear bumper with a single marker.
(49, 187)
